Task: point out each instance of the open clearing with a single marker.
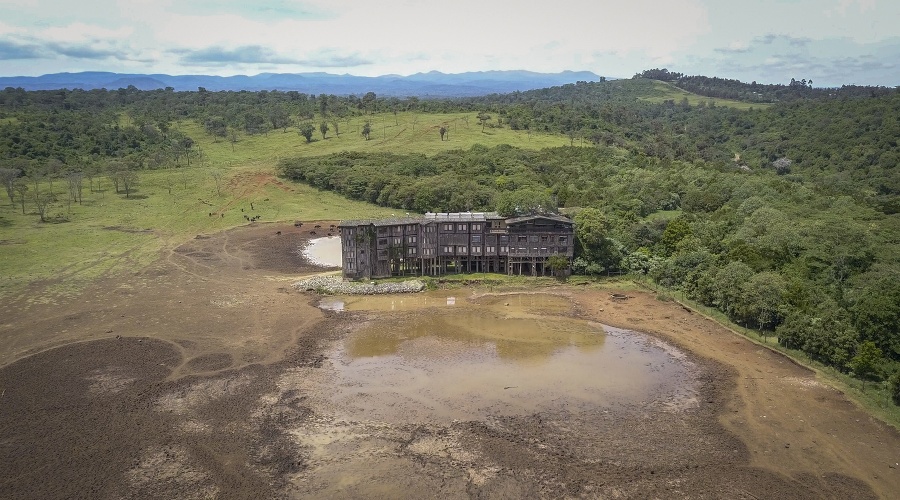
(205, 375)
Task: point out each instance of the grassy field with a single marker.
(110, 233)
(403, 133)
(667, 91)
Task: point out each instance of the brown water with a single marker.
(439, 357)
(324, 252)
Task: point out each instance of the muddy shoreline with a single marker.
(204, 380)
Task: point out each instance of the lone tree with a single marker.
(483, 118)
(366, 130)
(323, 127)
(335, 121)
(129, 180)
(306, 130)
(443, 132)
(42, 202)
(216, 174)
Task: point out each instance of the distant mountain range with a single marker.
(431, 84)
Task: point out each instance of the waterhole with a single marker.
(325, 252)
(440, 357)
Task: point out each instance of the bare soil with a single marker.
(190, 379)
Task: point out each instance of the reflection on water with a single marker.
(523, 304)
(494, 356)
(324, 252)
(513, 338)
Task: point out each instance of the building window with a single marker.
(544, 239)
(563, 239)
(504, 239)
(533, 238)
(397, 241)
(563, 249)
(476, 238)
(411, 251)
(461, 250)
(491, 249)
(382, 231)
(382, 241)
(462, 227)
(504, 249)
(448, 227)
(476, 227)
(522, 238)
(476, 249)
(411, 239)
(411, 227)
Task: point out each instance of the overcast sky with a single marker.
(832, 42)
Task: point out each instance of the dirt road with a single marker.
(206, 376)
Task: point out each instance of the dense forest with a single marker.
(756, 92)
(785, 216)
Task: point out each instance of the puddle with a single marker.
(434, 359)
(325, 252)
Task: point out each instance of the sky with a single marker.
(832, 42)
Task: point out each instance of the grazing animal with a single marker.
(210, 214)
(317, 226)
(331, 226)
(312, 232)
(277, 232)
(223, 215)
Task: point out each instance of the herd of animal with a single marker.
(253, 218)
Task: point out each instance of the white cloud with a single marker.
(612, 38)
(79, 32)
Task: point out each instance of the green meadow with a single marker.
(664, 91)
(109, 233)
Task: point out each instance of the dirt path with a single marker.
(791, 423)
(206, 375)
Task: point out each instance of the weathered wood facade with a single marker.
(443, 243)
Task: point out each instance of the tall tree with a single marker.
(866, 360)
(8, 177)
(369, 102)
(483, 118)
(306, 130)
(22, 190)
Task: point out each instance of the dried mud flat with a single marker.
(206, 375)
